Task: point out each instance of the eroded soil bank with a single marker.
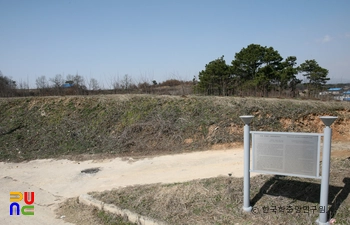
(144, 125)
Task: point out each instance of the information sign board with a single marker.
(294, 154)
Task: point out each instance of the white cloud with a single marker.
(326, 39)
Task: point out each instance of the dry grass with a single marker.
(52, 127)
(219, 200)
(80, 214)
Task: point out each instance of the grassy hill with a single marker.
(51, 127)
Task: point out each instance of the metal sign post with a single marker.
(246, 183)
(327, 120)
(278, 152)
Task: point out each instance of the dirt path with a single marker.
(53, 181)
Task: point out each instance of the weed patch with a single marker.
(275, 199)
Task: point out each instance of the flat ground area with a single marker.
(54, 181)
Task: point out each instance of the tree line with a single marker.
(77, 85)
(257, 71)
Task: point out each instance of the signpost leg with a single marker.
(246, 182)
(327, 120)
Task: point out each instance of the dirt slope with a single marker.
(51, 127)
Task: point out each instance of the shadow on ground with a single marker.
(303, 191)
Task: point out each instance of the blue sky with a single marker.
(159, 40)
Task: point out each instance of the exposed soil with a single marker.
(54, 181)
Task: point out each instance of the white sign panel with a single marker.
(295, 154)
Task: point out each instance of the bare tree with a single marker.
(75, 80)
(23, 88)
(144, 85)
(115, 84)
(78, 83)
(57, 81)
(93, 84)
(126, 82)
(41, 82)
(79, 80)
(23, 85)
(70, 79)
